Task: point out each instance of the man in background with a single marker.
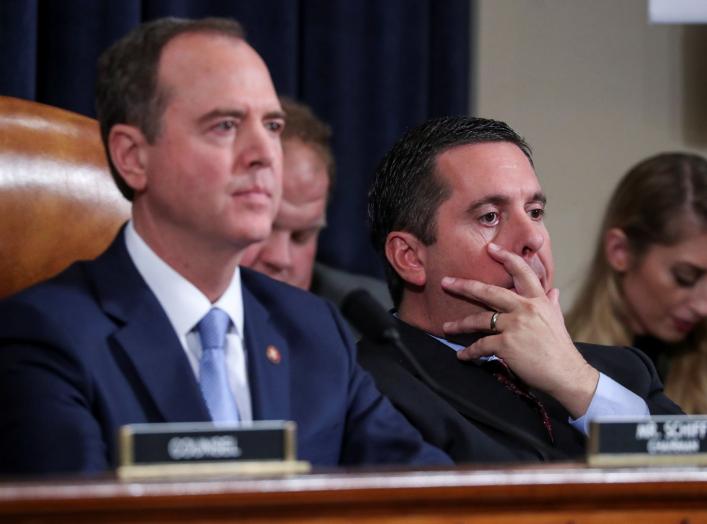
(164, 326)
(288, 254)
(458, 214)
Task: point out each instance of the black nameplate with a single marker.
(262, 447)
(206, 442)
(666, 440)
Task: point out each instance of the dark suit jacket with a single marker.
(446, 423)
(92, 349)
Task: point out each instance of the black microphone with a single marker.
(371, 319)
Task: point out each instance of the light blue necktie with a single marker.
(213, 377)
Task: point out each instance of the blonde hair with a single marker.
(652, 204)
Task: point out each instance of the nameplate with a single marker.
(261, 447)
(657, 440)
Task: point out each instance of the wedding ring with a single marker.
(494, 319)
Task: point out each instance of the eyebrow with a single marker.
(314, 227)
(216, 113)
(275, 114)
(500, 200)
(685, 265)
(238, 113)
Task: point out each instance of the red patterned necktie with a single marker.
(499, 369)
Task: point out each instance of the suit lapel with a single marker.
(146, 337)
(268, 360)
(460, 377)
(472, 383)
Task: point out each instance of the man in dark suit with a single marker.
(164, 326)
(457, 211)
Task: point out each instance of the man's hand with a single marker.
(530, 333)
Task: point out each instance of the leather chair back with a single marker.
(58, 201)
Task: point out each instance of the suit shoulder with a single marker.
(609, 352)
(71, 286)
(62, 310)
(617, 361)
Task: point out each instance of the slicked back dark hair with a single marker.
(406, 191)
(126, 83)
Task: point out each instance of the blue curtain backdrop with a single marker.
(371, 68)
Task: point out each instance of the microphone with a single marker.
(371, 319)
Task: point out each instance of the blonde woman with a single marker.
(647, 285)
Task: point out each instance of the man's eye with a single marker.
(302, 237)
(225, 125)
(684, 280)
(275, 126)
(537, 213)
(489, 218)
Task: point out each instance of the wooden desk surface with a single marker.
(558, 493)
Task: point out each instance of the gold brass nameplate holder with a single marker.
(656, 440)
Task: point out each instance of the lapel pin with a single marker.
(273, 354)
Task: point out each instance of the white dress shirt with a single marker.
(185, 306)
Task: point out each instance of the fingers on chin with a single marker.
(477, 322)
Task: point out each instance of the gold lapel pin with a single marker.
(273, 354)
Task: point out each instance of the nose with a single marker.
(259, 146)
(276, 254)
(523, 235)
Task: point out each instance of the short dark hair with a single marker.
(126, 83)
(304, 125)
(406, 192)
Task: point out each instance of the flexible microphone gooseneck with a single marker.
(370, 318)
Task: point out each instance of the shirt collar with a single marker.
(184, 304)
(453, 345)
(448, 343)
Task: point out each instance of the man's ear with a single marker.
(127, 146)
(406, 254)
(617, 250)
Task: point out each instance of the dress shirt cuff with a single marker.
(610, 398)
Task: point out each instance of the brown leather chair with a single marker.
(58, 202)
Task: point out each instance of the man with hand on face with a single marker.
(288, 254)
(164, 326)
(458, 213)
